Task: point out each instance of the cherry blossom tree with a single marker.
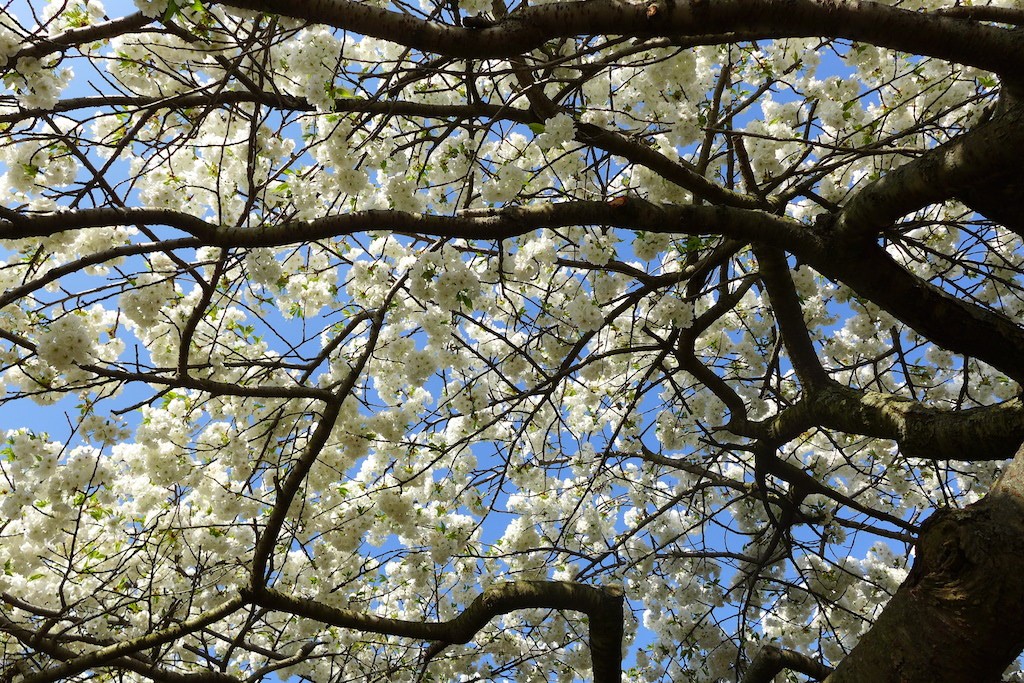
(658, 340)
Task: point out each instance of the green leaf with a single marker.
(170, 12)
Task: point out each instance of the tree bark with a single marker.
(771, 661)
(959, 616)
(986, 47)
(603, 606)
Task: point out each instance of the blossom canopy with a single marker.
(559, 340)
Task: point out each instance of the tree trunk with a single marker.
(959, 616)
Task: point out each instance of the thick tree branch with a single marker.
(988, 152)
(1001, 15)
(959, 616)
(986, 47)
(45, 45)
(953, 324)
(770, 661)
(602, 604)
(478, 224)
(786, 305)
(934, 313)
(920, 431)
(212, 97)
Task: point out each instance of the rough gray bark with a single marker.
(959, 616)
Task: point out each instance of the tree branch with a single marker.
(959, 615)
(78, 36)
(602, 604)
(477, 224)
(953, 324)
(934, 313)
(292, 482)
(987, 152)
(920, 431)
(77, 663)
(986, 47)
(770, 661)
(788, 314)
(212, 98)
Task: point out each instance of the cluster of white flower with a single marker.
(143, 303)
(506, 184)
(583, 312)
(63, 15)
(70, 340)
(38, 83)
(152, 8)
(484, 439)
(673, 312)
(29, 461)
(160, 64)
(648, 246)
(104, 430)
(10, 41)
(308, 64)
(558, 130)
(598, 248)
